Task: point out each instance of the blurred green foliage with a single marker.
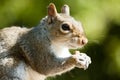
(101, 21)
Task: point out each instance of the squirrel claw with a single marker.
(82, 59)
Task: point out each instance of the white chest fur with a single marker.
(60, 51)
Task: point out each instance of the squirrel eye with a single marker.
(65, 27)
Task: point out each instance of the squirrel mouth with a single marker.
(75, 46)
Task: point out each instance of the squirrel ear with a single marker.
(52, 12)
(65, 9)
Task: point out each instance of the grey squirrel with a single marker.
(42, 51)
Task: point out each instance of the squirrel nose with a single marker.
(84, 41)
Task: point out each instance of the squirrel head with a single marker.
(64, 29)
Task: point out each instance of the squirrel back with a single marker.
(43, 50)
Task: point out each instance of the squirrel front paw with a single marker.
(82, 60)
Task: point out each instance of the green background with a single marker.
(101, 21)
